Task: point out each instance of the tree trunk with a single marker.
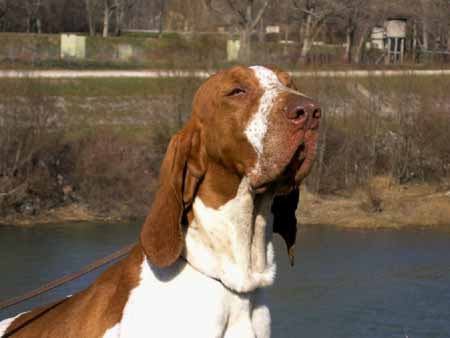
(106, 17)
(244, 50)
(246, 30)
(306, 48)
(3, 11)
(119, 23)
(425, 44)
(28, 25)
(361, 45)
(286, 39)
(90, 17)
(38, 26)
(349, 39)
(248, 21)
(161, 17)
(261, 32)
(307, 40)
(120, 13)
(448, 37)
(414, 42)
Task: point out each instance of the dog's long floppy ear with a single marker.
(284, 220)
(182, 170)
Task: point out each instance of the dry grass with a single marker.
(108, 152)
(394, 127)
(403, 205)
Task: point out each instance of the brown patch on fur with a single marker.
(224, 117)
(284, 77)
(222, 155)
(219, 186)
(213, 150)
(89, 313)
(181, 171)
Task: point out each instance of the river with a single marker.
(345, 283)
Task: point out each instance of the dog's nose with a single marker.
(301, 110)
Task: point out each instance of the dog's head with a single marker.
(248, 122)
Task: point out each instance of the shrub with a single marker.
(398, 128)
(24, 132)
(113, 172)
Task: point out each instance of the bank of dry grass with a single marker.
(90, 149)
(397, 206)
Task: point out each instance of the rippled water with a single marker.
(383, 283)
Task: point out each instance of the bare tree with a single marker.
(3, 11)
(425, 24)
(142, 15)
(430, 21)
(31, 9)
(351, 18)
(118, 7)
(122, 9)
(435, 20)
(3, 8)
(360, 17)
(51, 14)
(108, 10)
(91, 12)
(312, 16)
(357, 17)
(245, 15)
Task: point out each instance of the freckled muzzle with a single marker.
(290, 145)
(305, 113)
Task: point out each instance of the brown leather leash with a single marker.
(67, 278)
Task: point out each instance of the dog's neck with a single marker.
(233, 243)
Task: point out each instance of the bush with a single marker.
(398, 129)
(24, 132)
(113, 172)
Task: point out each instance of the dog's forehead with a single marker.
(258, 124)
(266, 77)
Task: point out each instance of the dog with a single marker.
(229, 180)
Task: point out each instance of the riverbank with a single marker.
(384, 205)
(388, 205)
(98, 143)
(71, 213)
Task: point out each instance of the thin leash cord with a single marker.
(67, 278)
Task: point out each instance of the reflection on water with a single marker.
(31, 257)
(344, 284)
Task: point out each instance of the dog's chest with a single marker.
(185, 303)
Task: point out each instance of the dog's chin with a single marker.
(284, 178)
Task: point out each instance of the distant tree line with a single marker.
(304, 21)
(106, 17)
(335, 21)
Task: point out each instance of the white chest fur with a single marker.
(218, 293)
(181, 302)
(234, 243)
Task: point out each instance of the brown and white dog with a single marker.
(229, 180)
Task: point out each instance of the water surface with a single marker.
(345, 283)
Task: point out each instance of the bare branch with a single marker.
(209, 5)
(309, 12)
(260, 14)
(3, 8)
(238, 11)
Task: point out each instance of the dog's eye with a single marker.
(236, 92)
